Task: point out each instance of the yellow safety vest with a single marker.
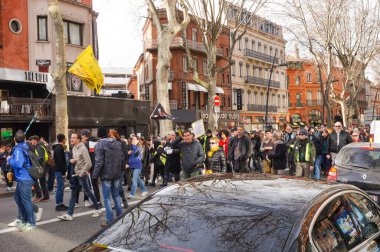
(162, 156)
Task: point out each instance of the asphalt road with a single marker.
(51, 235)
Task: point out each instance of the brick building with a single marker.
(305, 95)
(27, 56)
(188, 100)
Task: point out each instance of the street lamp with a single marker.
(270, 77)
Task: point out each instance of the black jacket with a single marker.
(344, 139)
(59, 158)
(217, 162)
(317, 140)
(279, 156)
(245, 148)
(108, 159)
(91, 151)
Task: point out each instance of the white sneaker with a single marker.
(65, 217)
(38, 215)
(97, 213)
(130, 196)
(14, 223)
(144, 194)
(67, 188)
(86, 203)
(9, 188)
(76, 205)
(27, 227)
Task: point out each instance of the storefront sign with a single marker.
(36, 77)
(184, 93)
(224, 116)
(147, 92)
(239, 101)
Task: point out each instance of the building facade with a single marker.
(27, 57)
(188, 100)
(261, 46)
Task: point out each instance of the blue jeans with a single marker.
(137, 181)
(76, 182)
(317, 167)
(60, 188)
(111, 187)
(23, 198)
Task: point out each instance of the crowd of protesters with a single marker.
(297, 150)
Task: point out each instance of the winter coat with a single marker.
(108, 159)
(135, 159)
(245, 146)
(317, 141)
(82, 158)
(279, 156)
(217, 162)
(59, 158)
(192, 154)
(173, 161)
(20, 162)
(344, 139)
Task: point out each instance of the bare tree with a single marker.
(314, 27)
(212, 17)
(165, 35)
(61, 116)
(356, 44)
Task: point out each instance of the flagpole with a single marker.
(51, 91)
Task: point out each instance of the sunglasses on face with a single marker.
(338, 126)
(354, 135)
(213, 143)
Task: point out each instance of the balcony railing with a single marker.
(178, 42)
(314, 103)
(260, 56)
(299, 104)
(261, 108)
(24, 107)
(262, 82)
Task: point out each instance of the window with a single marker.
(229, 102)
(308, 77)
(185, 65)
(223, 101)
(205, 67)
(15, 25)
(247, 69)
(233, 68)
(334, 229)
(42, 28)
(195, 65)
(228, 79)
(73, 33)
(319, 95)
(309, 95)
(298, 97)
(240, 69)
(298, 80)
(239, 43)
(222, 78)
(194, 35)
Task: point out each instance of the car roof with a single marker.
(278, 193)
(362, 144)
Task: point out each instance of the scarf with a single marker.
(211, 152)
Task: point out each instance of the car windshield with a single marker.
(188, 224)
(364, 157)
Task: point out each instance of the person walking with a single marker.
(40, 185)
(159, 159)
(5, 168)
(278, 155)
(20, 163)
(216, 159)
(60, 171)
(304, 154)
(338, 139)
(265, 149)
(82, 161)
(192, 154)
(109, 159)
(289, 138)
(135, 164)
(241, 150)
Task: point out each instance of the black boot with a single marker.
(125, 203)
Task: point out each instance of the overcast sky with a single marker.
(120, 30)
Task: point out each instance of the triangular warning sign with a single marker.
(160, 114)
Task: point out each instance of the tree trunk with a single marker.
(163, 62)
(212, 116)
(344, 115)
(61, 116)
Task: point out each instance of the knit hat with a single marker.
(303, 132)
(86, 133)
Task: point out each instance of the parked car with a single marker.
(246, 212)
(358, 164)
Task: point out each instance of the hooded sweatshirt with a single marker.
(82, 157)
(20, 162)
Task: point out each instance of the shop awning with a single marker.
(200, 88)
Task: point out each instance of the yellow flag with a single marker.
(87, 69)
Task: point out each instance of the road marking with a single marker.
(8, 230)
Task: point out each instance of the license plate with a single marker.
(374, 197)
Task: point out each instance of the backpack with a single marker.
(37, 166)
(48, 159)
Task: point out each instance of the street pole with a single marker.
(270, 77)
